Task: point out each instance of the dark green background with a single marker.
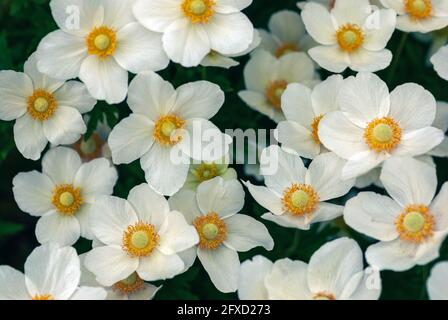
(24, 22)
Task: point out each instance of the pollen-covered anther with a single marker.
(140, 239)
(205, 171)
(198, 11)
(41, 105)
(285, 49)
(324, 296)
(67, 199)
(418, 9)
(382, 135)
(42, 297)
(102, 42)
(415, 224)
(315, 129)
(300, 199)
(212, 230)
(350, 37)
(131, 284)
(274, 92)
(166, 130)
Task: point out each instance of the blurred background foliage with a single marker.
(24, 22)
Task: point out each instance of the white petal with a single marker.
(438, 209)
(412, 106)
(65, 126)
(222, 265)
(96, 178)
(110, 264)
(297, 138)
(89, 293)
(251, 278)
(40, 81)
(296, 104)
(61, 165)
(178, 236)
(259, 103)
(52, 270)
(74, 94)
(225, 198)
(330, 58)
(12, 284)
(266, 198)
(159, 266)
(364, 60)
(139, 49)
(245, 233)
(258, 71)
(418, 142)
(362, 163)
(365, 285)
(15, 88)
(437, 282)
(333, 265)
(288, 221)
(441, 120)
(131, 139)
(409, 181)
(105, 79)
(351, 11)
(373, 215)
(440, 62)
(396, 255)
(287, 26)
(377, 37)
(185, 202)
(297, 67)
(324, 95)
(29, 137)
(157, 15)
(147, 293)
(201, 99)
(57, 228)
(325, 212)
(319, 24)
(33, 192)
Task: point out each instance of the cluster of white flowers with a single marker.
(354, 130)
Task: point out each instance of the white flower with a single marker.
(130, 288)
(205, 171)
(335, 272)
(330, 3)
(63, 194)
(303, 109)
(107, 43)
(295, 196)
(350, 35)
(437, 284)
(419, 15)
(266, 79)
(411, 226)
(373, 125)
(213, 211)
(96, 146)
(193, 28)
(45, 109)
(287, 34)
(215, 59)
(141, 234)
(165, 125)
(51, 273)
(440, 62)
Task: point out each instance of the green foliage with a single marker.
(24, 22)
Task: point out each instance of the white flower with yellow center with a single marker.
(335, 272)
(266, 80)
(294, 195)
(437, 283)
(373, 125)
(165, 123)
(51, 273)
(213, 211)
(440, 62)
(130, 288)
(139, 235)
(205, 171)
(351, 35)
(193, 28)
(215, 59)
(45, 109)
(419, 15)
(286, 34)
(303, 109)
(99, 41)
(63, 194)
(412, 225)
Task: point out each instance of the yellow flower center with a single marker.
(42, 297)
(285, 49)
(130, 285)
(212, 230)
(415, 224)
(418, 9)
(198, 11)
(140, 239)
(205, 171)
(274, 92)
(315, 128)
(166, 129)
(324, 296)
(300, 199)
(382, 134)
(102, 42)
(41, 105)
(350, 37)
(67, 199)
